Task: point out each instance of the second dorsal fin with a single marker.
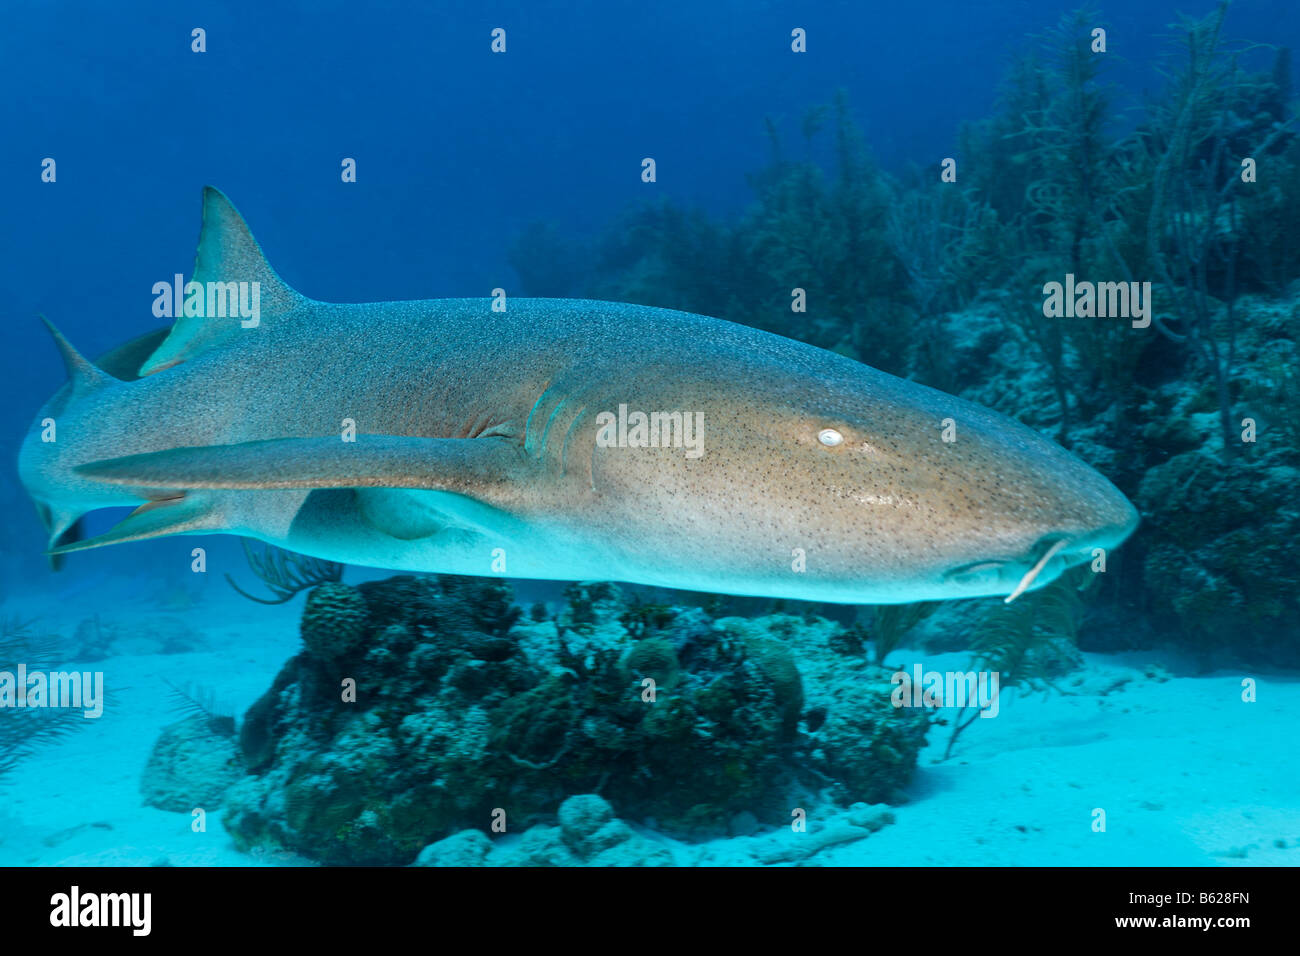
(82, 373)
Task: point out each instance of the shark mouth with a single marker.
(1032, 574)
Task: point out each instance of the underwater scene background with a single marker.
(921, 173)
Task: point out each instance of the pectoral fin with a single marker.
(480, 468)
(124, 361)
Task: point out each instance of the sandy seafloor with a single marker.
(1187, 773)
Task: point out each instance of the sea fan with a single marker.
(1007, 639)
(25, 731)
(892, 623)
(285, 573)
(196, 700)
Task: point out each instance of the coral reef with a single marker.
(192, 764)
(285, 573)
(420, 707)
(466, 848)
(589, 834)
(1217, 579)
(333, 622)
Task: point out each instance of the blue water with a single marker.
(458, 151)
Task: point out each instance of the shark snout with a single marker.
(1107, 520)
(1102, 517)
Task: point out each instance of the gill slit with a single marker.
(546, 429)
(528, 423)
(568, 436)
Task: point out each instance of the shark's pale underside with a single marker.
(476, 449)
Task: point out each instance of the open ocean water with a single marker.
(781, 434)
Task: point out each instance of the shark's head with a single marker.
(844, 483)
(977, 504)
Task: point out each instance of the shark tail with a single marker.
(84, 377)
(154, 519)
(64, 528)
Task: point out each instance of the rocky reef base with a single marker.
(420, 708)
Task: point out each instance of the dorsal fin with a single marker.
(83, 375)
(123, 362)
(227, 253)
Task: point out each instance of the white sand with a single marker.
(1186, 772)
(78, 802)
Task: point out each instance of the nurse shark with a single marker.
(560, 439)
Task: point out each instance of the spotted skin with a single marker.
(503, 463)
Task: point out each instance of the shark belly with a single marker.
(434, 532)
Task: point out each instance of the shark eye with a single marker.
(829, 437)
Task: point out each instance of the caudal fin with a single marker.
(64, 528)
(154, 519)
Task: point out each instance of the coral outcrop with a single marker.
(422, 707)
(589, 834)
(192, 764)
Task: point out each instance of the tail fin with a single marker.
(179, 514)
(64, 529)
